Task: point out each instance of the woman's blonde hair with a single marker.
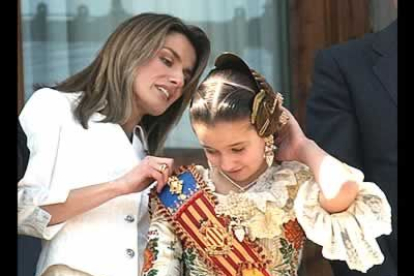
(107, 83)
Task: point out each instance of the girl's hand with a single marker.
(291, 141)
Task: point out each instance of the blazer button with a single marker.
(130, 253)
(129, 218)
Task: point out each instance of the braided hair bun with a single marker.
(267, 115)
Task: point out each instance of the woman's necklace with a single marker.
(243, 189)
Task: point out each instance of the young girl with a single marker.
(247, 215)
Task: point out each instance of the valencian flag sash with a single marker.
(189, 206)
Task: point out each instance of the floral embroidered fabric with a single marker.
(275, 214)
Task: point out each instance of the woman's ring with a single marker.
(163, 167)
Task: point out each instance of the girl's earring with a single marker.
(269, 148)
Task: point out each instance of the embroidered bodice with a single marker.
(260, 231)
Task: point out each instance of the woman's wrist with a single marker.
(118, 187)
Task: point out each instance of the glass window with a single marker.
(382, 13)
(60, 37)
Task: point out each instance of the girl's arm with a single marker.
(339, 189)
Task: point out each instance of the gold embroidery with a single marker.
(302, 176)
(292, 192)
(217, 240)
(176, 185)
(251, 272)
(269, 224)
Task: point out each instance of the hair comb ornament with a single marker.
(256, 105)
(267, 104)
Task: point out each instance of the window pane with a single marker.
(382, 13)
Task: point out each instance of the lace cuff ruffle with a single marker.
(348, 236)
(31, 219)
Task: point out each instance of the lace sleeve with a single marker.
(350, 235)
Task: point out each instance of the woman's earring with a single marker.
(269, 148)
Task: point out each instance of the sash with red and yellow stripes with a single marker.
(190, 207)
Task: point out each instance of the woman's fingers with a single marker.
(163, 169)
(165, 166)
(159, 178)
(160, 186)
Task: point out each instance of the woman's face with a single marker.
(159, 82)
(233, 147)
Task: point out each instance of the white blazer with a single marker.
(106, 241)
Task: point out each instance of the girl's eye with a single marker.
(237, 150)
(209, 151)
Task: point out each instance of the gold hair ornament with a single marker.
(256, 103)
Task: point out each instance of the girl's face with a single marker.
(233, 147)
(159, 82)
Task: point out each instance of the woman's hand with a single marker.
(291, 141)
(150, 169)
(86, 198)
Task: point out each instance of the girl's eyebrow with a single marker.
(230, 146)
(237, 144)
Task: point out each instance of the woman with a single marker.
(245, 214)
(84, 191)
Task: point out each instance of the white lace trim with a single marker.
(350, 235)
(271, 186)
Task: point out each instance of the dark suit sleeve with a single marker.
(330, 115)
(22, 152)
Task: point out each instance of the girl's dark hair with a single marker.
(232, 91)
(224, 95)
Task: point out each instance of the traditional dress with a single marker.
(196, 231)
